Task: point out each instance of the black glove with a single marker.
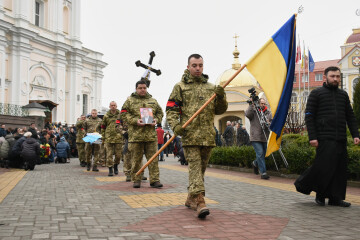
(220, 92)
(179, 131)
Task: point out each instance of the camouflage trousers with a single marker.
(81, 151)
(91, 149)
(137, 151)
(102, 154)
(111, 150)
(198, 158)
(127, 163)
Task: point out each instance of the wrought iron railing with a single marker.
(13, 110)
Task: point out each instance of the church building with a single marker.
(42, 59)
(236, 94)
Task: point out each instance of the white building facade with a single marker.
(42, 58)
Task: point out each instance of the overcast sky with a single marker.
(126, 31)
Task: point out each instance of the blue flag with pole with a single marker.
(311, 63)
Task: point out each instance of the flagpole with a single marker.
(304, 97)
(309, 71)
(188, 121)
(299, 96)
(304, 57)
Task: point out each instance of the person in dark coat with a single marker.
(33, 131)
(242, 136)
(228, 134)
(217, 137)
(16, 160)
(2, 131)
(47, 126)
(72, 142)
(30, 151)
(169, 148)
(63, 151)
(327, 113)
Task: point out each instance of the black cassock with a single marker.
(327, 176)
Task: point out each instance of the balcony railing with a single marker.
(13, 110)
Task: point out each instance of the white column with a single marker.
(73, 87)
(22, 12)
(75, 20)
(2, 65)
(60, 85)
(59, 16)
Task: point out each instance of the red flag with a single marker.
(298, 54)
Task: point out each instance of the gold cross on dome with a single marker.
(236, 37)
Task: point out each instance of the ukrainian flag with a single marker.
(273, 67)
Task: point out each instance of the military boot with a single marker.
(94, 168)
(136, 184)
(190, 202)
(201, 209)
(128, 178)
(156, 185)
(88, 166)
(110, 172)
(116, 170)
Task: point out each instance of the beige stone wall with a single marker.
(42, 47)
(8, 5)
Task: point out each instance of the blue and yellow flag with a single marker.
(273, 66)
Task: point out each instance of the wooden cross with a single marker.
(236, 37)
(149, 68)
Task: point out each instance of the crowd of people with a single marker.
(234, 135)
(24, 147)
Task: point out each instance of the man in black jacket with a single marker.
(327, 112)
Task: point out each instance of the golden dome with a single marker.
(244, 78)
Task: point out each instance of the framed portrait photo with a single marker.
(147, 115)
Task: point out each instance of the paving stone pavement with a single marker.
(62, 201)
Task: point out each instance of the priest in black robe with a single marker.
(327, 113)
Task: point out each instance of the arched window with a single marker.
(305, 96)
(66, 21)
(294, 98)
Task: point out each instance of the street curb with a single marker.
(271, 173)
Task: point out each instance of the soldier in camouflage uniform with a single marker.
(126, 156)
(112, 136)
(142, 137)
(199, 136)
(92, 125)
(80, 144)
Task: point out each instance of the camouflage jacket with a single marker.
(130, 113)
(80, 131)
(92, 125)
(186, 98)
(110, 131)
